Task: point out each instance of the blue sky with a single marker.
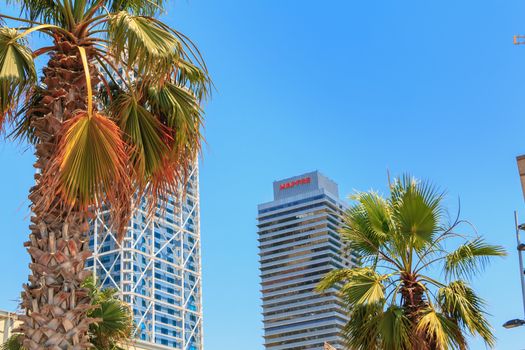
(351, 88)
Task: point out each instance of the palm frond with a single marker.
(358, 234)
(416, 210)
(362, 331)
(333, 278)
(436, 329)
(193, 77)
(378, 213)
(114, 323)
(459, 302)
(141, 44)
(137, 7)
(179, 110)
(471, 257)
(359, 285)
(17, 70)
(145, 135)
(90, 167)
(14, 342)
(395, 329)
(23, 129)
(47, 11)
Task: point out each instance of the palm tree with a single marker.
(114, 320)
(114, 115)
(394, 299)
(112, 329)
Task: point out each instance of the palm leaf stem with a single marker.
(20, 19)
(431, 281)
(440, 238)
(115, 69)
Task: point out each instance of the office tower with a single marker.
(157, 269)
(299, 243)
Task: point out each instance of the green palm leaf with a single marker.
(377, 212)
(14, 342)
(178, 109)
(145, 135)
(17, 70)
(49, 11)
(360, 285)
(416, 210)
(362, 331)
(90, 167)
(141, 43)
(391, 302)
(395, 329)
(459, 302)
(438, 330)
(471, 257)
(358, 234)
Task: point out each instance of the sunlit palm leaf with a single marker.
(416, 210)
(395, 329)
(114, 324)
(178, 109)
(458, 301)
(360, 285)
(141, 43)
(143, 132)
(17, 70)
(377, 212)
(193, 77)
(90, 166)
(440, 331)
(471, 257)
(362, 331)
(358, 234)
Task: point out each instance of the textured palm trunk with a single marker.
(54, 301)
(414, 302)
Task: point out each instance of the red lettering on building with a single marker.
(303, 181)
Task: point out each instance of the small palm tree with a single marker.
(114, 322)
(394, 300)
(115, 113)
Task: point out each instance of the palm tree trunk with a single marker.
(54, 301)
(413, 296)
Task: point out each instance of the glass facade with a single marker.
(157, 269)
(299, 243)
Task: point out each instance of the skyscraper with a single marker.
(299, 243)
(157, 269)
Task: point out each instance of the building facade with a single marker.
(299, 243)
(157, 269)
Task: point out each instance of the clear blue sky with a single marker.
(351, 88)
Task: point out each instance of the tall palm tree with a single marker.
(115, 112)
(394, 299)
(113, 327)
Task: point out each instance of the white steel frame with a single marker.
(154, 244)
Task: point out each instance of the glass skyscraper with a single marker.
(299, 243)
(157, 269)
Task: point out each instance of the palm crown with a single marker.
(394, 301)
(136, 121)
(115, 113)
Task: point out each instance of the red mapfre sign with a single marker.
(303, 181)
